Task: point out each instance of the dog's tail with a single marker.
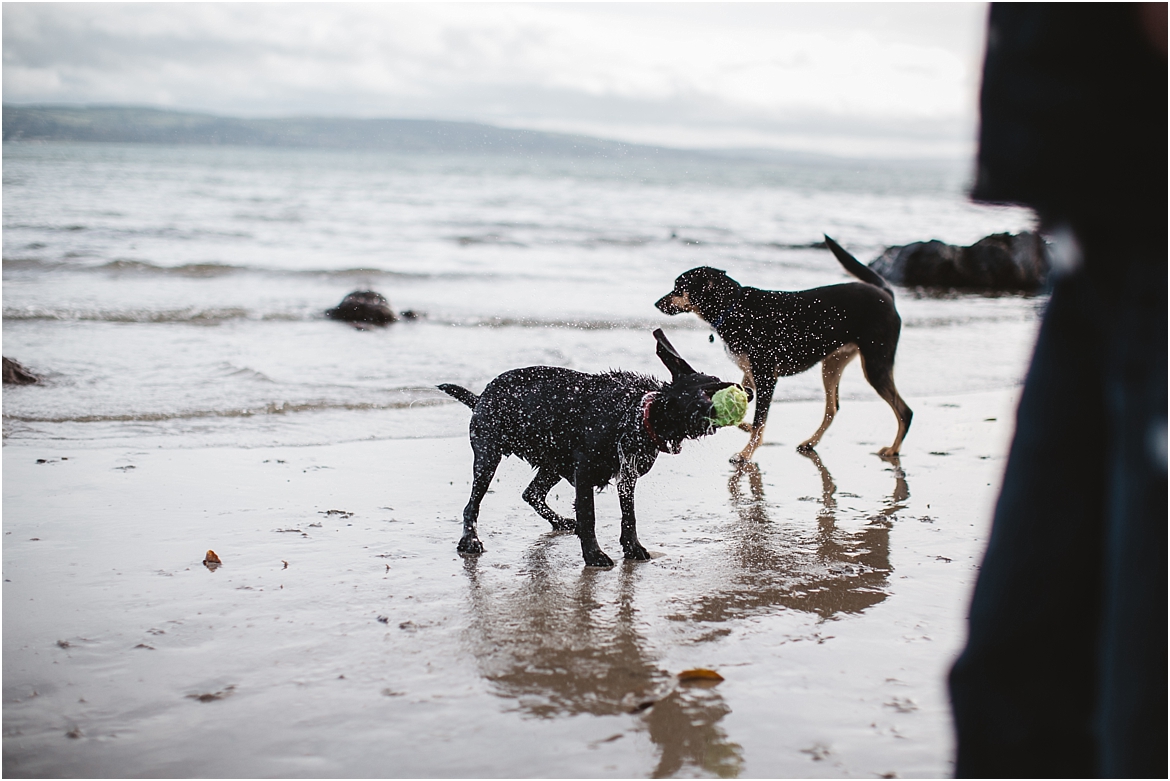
(856, 267)
(459, 394)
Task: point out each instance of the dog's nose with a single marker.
(666, 305)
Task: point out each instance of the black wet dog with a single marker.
(587, 429)
(777, 333)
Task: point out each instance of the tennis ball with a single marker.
(730, 406)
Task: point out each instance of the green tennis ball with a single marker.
(730, 406)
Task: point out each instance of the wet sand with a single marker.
(343, 635)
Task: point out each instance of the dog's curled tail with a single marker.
(856, 267)
(459, 394)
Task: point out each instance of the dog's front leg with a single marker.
(627, 479)
(765, 386)
(586, 522)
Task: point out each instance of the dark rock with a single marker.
(15, 374)
(1001, 262)
(363, 306)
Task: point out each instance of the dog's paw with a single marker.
(806, 447)
(637, 553)
(887, 452)
(598, 559)
(564, 524)
(739, 459)
(470, 546)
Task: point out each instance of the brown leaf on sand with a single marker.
(700, 676)
(211, 561)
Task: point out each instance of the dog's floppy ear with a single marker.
(669, 356)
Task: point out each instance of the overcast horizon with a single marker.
(877, 79)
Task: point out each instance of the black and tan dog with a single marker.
(774, 333)
(587, 429)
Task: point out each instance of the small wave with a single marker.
(467, 224)
(22, 264)
(374, 273)
(191, 315)
(214, 315)
(212, 270)
(162, 231)
(794, 245)
(185, 270)
(243, 372)
(487, 238)
(621, 241)
(412, 397)
(278, 218)
(962, 320)
(580, 324)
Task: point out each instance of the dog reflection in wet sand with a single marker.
(564, 644)
(832, 571)
(588, 429)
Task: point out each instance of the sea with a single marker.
(173, 296)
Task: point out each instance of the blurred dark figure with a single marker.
(1064, 672)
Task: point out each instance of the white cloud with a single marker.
(888, 76)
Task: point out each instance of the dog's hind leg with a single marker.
(486, 461)
(765, 387)
(880, 374)
(831, 369)
(627, 479)
(586, 522)
(536, 494)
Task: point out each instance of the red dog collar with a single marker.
(647, 400)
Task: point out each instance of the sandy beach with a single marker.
(196, 398)
(343, 635)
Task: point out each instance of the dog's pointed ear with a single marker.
(670, 357)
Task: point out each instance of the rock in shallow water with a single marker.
(15, 374)
(363, 306)
(1002, 262)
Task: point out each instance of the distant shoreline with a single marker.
(148, 125)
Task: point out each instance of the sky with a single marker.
(851, 79)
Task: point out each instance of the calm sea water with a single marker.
(173, 296)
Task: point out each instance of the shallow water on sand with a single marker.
(343, 636)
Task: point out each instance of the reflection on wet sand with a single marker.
(825, 572)
(560, 642)
(556, 648)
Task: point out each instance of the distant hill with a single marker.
(157, 126)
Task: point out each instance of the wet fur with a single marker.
(774, 333)
(588, 429)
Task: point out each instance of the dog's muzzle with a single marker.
(668, 304)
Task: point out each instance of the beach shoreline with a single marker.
(343, 635)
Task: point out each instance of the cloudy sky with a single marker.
(886, 79)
